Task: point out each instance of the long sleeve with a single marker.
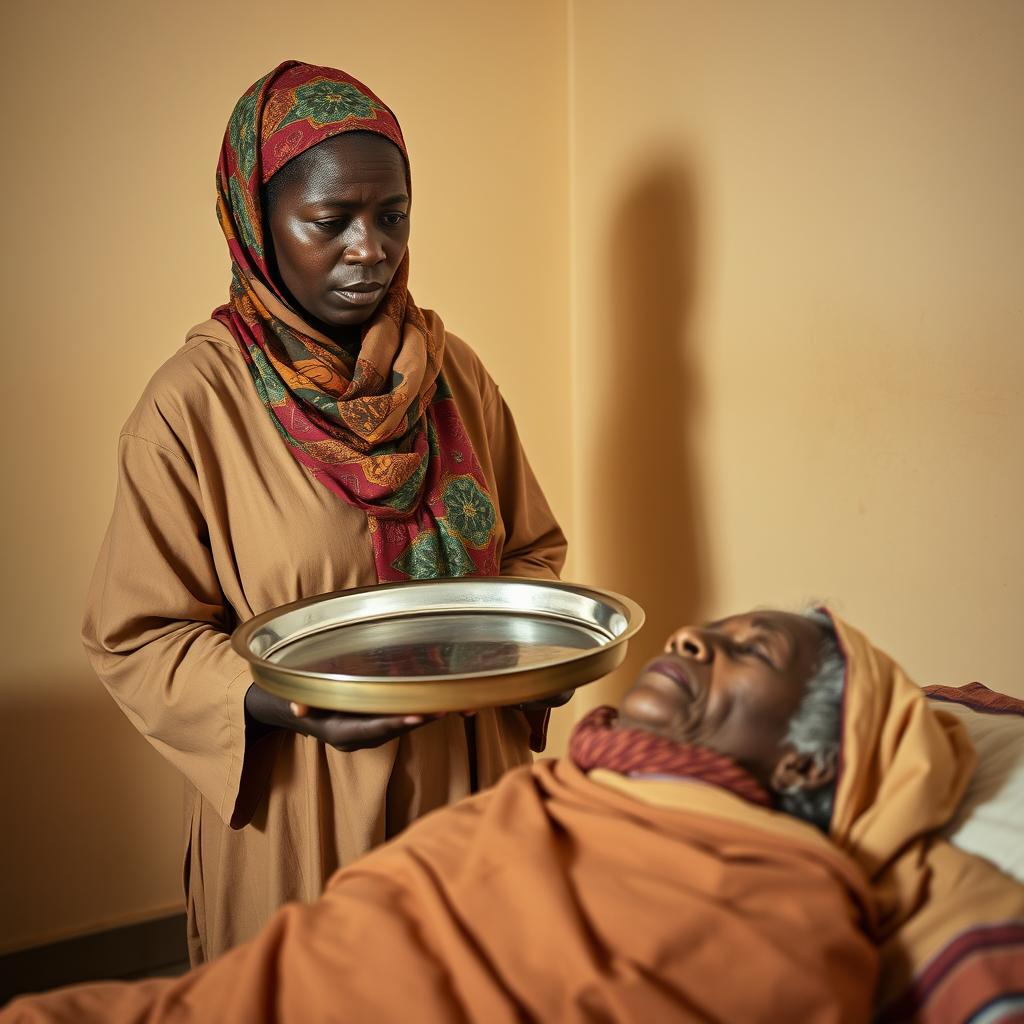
(216, 521)
(157, 630)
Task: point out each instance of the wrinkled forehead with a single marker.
(801, 634)
(771, 619)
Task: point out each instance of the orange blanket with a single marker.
(552, 897)
(950, 925)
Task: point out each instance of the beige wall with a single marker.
(798, 345)
(777, 354)
(115, 114)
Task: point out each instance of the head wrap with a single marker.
(379, 428)
(950, 926)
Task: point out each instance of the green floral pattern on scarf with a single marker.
(268, 384)
(435, 554)
(470, 512)
(240, 209)
(405, 497)
(326, 102)
(242, 129)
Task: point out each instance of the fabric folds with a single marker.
(378, 427)
(550, 898)
(950, 926)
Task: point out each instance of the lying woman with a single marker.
(750, 838)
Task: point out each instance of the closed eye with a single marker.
(756, 650)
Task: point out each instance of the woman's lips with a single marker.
(675, 672)
(360, 295)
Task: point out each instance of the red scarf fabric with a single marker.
(596, 743)
(380, 429)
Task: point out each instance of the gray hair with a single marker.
(816, 728)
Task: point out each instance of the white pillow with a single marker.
(990, 819)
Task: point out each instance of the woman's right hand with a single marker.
(339, 729)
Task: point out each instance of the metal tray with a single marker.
(438, 645)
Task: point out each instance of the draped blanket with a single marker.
(569, 897)
(555, 898)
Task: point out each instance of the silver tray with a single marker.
(438, 645)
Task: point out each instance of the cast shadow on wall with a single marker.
(649, 532)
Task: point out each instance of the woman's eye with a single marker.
(392, 220)
(755, 650)
(331, 224)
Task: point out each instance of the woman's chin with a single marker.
(646, 708)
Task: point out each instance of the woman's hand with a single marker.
(343, 731)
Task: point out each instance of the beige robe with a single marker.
(214, 522)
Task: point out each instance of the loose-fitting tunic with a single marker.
(215, 522)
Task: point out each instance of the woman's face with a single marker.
(339, 222)
(732, 685)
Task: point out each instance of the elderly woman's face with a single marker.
(340, 227)
(732, 685)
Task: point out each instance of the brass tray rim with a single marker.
(240, 638)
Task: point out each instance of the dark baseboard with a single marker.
(130, 951)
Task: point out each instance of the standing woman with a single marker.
(320, 432)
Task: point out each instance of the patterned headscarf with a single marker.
(380, 428)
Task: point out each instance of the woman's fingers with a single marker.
(358, 734)
(350, 732)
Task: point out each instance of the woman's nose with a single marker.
(364, 246)
(690, 642)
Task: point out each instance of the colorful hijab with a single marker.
(378, 428)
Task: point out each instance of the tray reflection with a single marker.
(438, 646)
